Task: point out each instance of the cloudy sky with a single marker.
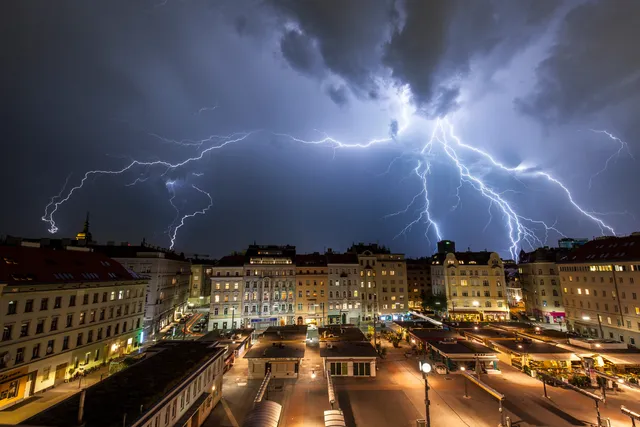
(94, 86)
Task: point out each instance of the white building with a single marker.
(344, 298)
(227, 293)
(177, 384)
(62, 311)
(168, 285)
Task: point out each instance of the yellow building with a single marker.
(312, 276)
(63, 311)
(600, 288)
(473, 283)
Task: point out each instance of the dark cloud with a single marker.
(593, 65)
(433, 49)
(338, 94)
(348, 36)
(301, 53)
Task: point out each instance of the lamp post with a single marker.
(425, 367)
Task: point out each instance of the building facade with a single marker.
(419, 282)
(540, 280)
(63, 311)
(231, 300)
(473, 283)
(312, 290)
(344, 297)
(270, 273)
(599, 284)
(168, 286)
(383, 281)
(200, 283)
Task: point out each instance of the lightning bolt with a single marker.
(191, 215)
(623, 145)
(48, 217)
(52, 202)
(203, 109)
(171, 186)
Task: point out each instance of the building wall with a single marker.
(51, 329)
(344, 295)
(200, 284)
(280, 368)
(473, 291)
(267, 280)
(226, 308)
(393, 288)
(204, 386)
(419, 282)
(311, 295)
(541, 291)
(349, 364)
(167, 289)
(605, 291)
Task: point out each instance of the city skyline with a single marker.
(363, 137)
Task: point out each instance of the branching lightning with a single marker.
(191, 215)
(623, 145)
(443, 142)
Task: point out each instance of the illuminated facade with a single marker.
(344, 289)
(419, 282)
(230, 299)
(599, 284)
(540, 280)
(383, 281)
(200, 283)
(312, 289)
(63, 311)
(473, 283)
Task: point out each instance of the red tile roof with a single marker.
(21, 265)
(606, 249)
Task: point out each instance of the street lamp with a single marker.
(233, 315)
(425, 368)
(313, 375)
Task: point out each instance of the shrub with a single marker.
(581, 381)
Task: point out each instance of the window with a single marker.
(79, 339)
(57, 302)
(339, 368)
(95, 298)
(20, 355)
(85, 299)
(44, 304)
(82, 318)
(69, 320)
(40, 326)
(24, 329)
(72, 301)
(36, 351)
(6, 332)
(65, 343)
(361, 369)
(90, 337)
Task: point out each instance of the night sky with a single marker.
(95, 85)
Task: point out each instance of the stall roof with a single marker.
(433, 334)
(275, 350)
(462, 347)
(488, 333)
(348, 349)
(264, 414)
(617, 357)
(537, 350)
(341, 333)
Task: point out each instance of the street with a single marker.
(396, 397)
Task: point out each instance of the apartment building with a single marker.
(419, 282)
(344, 297)
(61, 311)
(383, 281)
(200, 282)
(228, 292)
(312, 290)
(599, 282)
(168, 286)
(473, 283)
(540, 281)
(177, 384)
(270, 272)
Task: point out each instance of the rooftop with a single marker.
(545, 254)
(347, 349)
(433, 334)
(231, 261)
(462, 347)
(606, 249)
(531, 347)
(276, 350)
(488, 333)
(337, 333)
(311, 260)
(469, 258)
(285, 333)
(422, 324)
(142, 385)
(138, 251)
(348, 258)
(20, 265)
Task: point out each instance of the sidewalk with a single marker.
(40, 401)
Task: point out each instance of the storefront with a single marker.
(465, 315)
(13, 385)
(495, 316)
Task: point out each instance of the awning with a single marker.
(545, 357)
(264, 414)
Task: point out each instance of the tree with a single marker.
(434, 302)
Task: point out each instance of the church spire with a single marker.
(84, 237)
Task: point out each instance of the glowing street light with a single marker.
(313, 375)
(425, 368)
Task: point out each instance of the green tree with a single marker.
(437, 303)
